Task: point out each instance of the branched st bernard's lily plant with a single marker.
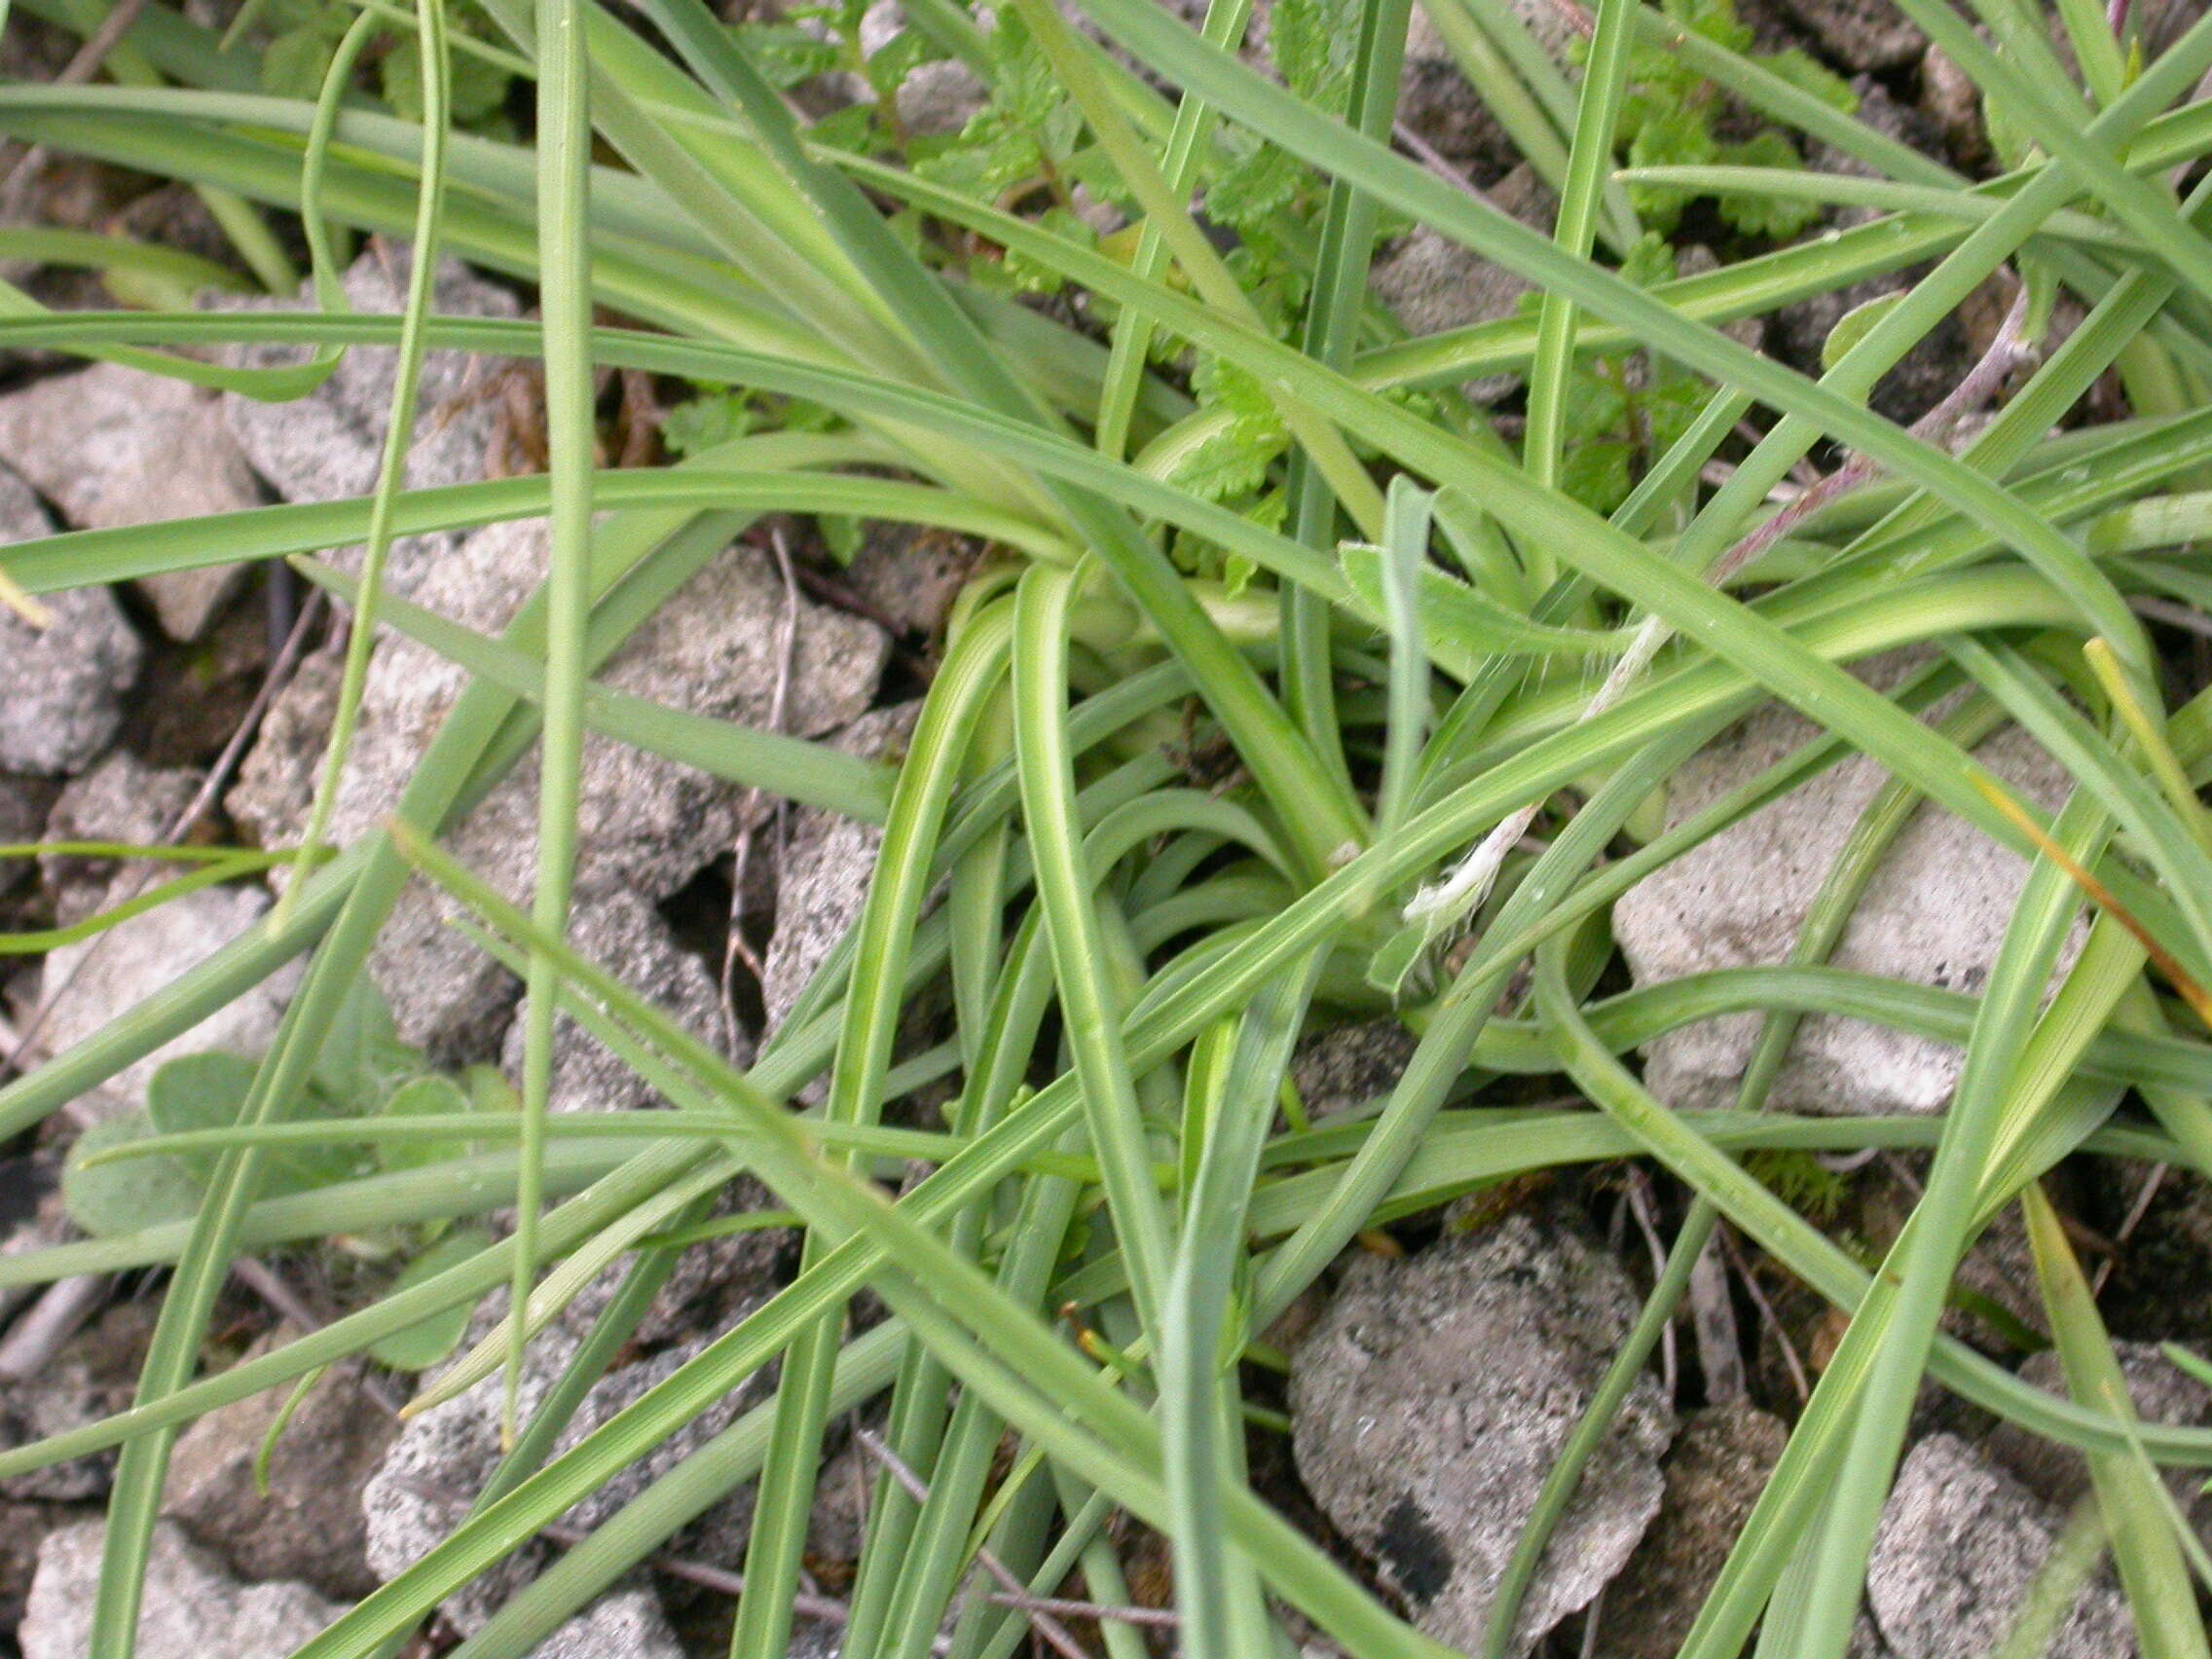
(1419, 641)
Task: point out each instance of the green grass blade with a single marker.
(399, 424)
(2151, 1568)
(564, 207)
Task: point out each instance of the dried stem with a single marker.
(1044, 1613)
(2173, 615)
(268, 1284)
(1150, 1618)
(49, 1321)
(1054, 1634)
(749, 812)
(79, 68)
(1767, 1316)
(2136, 1211)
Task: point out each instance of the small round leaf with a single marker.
(422, 1346)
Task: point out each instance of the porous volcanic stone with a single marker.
(1960, 1545)
(1433, 1398)
(193, 1608)
(114, 446)
(1934, 913)
(61, 685)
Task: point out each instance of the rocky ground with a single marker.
(1430, 1389)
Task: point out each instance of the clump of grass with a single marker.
(1227, 487)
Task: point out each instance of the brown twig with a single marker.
(1436, 161)
(734, 948)
(1767, 1315)
(2136, 1211)
(1712, 1326)
(823, 1609)
(2172, 614)
(61, 1311)
(265, 1282)
(1644, 1213)
(1149, 1618)
(1803, 470)
(82, 67)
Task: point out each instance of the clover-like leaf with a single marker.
(110, 1199)
(420, 1347)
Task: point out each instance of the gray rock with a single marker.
(115, 446)
(92, 981)
(646, 826)
(192, 1609)
(276, 779)
(94, 1376)
(1337, 1070)
(2162, 1392)
(1715, 1472)
(626, 1626)
(1952, 104)
(1859, 34)
(939, 98)
(1867, 1640)
(443, 1457)
(823, 870)
(328, 445)
(909, 575)
(1552, 25)
(1959, 1546)
(23, 1526)
(119, 799)
(1432, 283)
(24, 804)
(309, 1526)
(622, 933)
(626, 936)
(935, 99)
(61, 686)
(1433, 1398)
(1934, 913)
(1437, 104)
